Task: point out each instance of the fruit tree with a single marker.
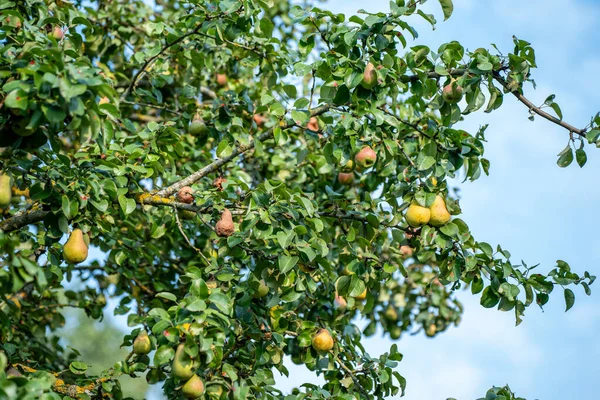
(258, 176)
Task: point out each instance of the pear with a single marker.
(187, 214)
(390, 314)
(322, 341)
(345, 179)
(57, 33)
(439, 213)
(193, 388)
(365, 158)
(142, 344)
(5, 190)
(221, 79)
(395, 332)
(259, 119)
(185, 195)
(262, 290)
(104, 100)
(197, 126)
(225, 226)
(349, 167)
(183, 366)
(406, 250)
(369, 76)
(313, 124)
(339, 303)
(416, 215)
(452, 93)
(431, 330)
(362, 296)
(75, 249)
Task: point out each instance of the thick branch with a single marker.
(23, 218)
(201, 173)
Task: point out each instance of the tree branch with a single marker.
(201, 173)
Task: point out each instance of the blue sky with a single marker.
(528, 204)
(536, 210)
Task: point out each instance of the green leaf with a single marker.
(581, 157)
(565, 157)
(447, 8)
(16, 99)
(127, 205)
(592, 135)
(569, 299)
(222, 302)
(286, 263)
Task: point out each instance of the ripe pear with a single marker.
(57, 33)
(221, 79)
(339, 303)
(313, 124)
(416, 215)
(406, 250)
(362, 296)
(431, 330)
(75, 249)
(5, 190)
(225, 226)
(183, 366)
(185, 195)
(365, 158)
(142, 344)
(262, 290)
(197, 127)
(345, 179)
(369, 77)
(390, 314)
(452, 93)
(322, 341)
(193, 388)
(439, 213)
(259, 119)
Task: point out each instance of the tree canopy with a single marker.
(259, 175)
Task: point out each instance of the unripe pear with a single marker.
(225, 226)
(439, 213)
(322, 341)
(5, 190)
(361, 296)
(57, 33)
(262, 290)
(75, 249)
(193, 388)
(345, 179)
(183, 365)
(369, 76)
(365, 158)
(185, 195)
(197, 127)
(221, 79)
(395, 332)
(416, 215)
(142, 344)
(452, 93)
(390, 314)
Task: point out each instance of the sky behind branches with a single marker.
(533, 208)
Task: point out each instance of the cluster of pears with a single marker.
(75, 249)
(5, 190)
(436, 215)
(182, 369)
(363, 160)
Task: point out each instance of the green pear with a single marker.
(262, 290)
(452, 93)
(193, 388)
(439, 213)
(183, 365)
(75, 249)
(197, 127)
(142, 344)
(5, 190)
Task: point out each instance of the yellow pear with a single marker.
(183, 365)
(369, 76)
(193, 388)
(142, 344)
(416, 215)
(322, 341)
(5, 190)
(75, 249)
(439, 213)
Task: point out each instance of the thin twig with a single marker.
(187, 239)
(354, 378)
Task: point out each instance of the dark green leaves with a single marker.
(447, 8)
(565, 157)
(569, 299)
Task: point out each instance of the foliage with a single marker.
(94, 129)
